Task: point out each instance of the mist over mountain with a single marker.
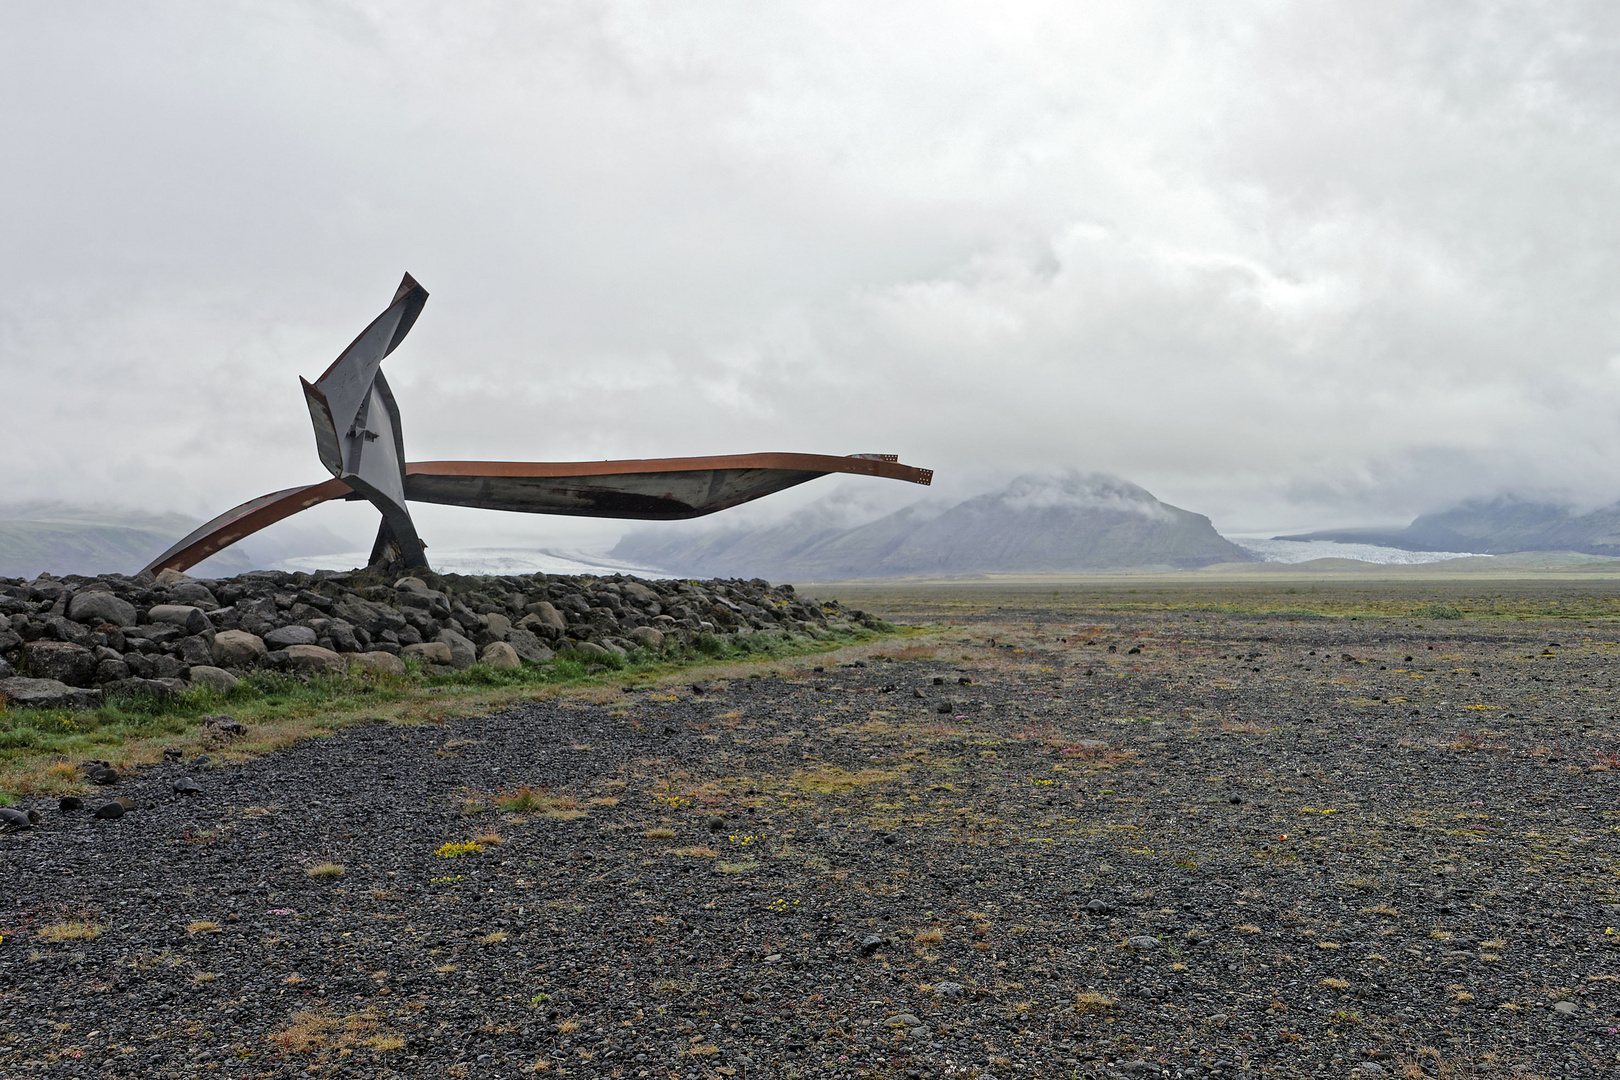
(1498, 526)
(1052, 523)
(64, 539)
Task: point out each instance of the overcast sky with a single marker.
(1285, 264)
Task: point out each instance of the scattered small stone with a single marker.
(12, 818)
(905, 1020)
(716, 824)
(948, 989)
(185, 785)
(228, 726)
(69, 803)
(110, 811)
(1099, 907)
(872, 943)
(172, 754)
(1142, 943)
(1566, 1008)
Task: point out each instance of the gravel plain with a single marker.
(1035, 843)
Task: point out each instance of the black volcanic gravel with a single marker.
(1252, 846)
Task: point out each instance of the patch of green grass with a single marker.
(283, 708)
(524, 799)
(1399, 595)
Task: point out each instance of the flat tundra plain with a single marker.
(1327, 831)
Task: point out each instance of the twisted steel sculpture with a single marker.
(360, 441)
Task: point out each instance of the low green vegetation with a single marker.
(280, 709)
(1546, 597)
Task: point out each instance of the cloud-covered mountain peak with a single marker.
(1075, 490)
(1037, 523)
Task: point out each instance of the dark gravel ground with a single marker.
(1302, 847)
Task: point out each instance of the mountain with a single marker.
(1496, 527)
(1052, 524)
(65, 539)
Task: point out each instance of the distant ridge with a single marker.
(1499, 526)
(1066, 522)
(60, 539)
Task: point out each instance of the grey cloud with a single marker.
(1288, 265)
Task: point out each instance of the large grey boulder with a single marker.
(216, 679)
(498, 625)
(647, 638)
(385, 663)
(194, 593)
(314, 660)
(188, 618)
(157, 633)
(638, 593)
(163, 687)
(546, 615)
(463, 653)
(342, 635)
(96, 608)
(20, 693)
(528, 647)
(433, 653)
(413, 592)
(58, 628)
(238, 649)
(290, 635)
(369, 615)
(108, 670)
(500, 656)
(196, 649)
(63, 661)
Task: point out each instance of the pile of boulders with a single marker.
(68, 642)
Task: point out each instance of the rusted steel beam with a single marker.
(659, 489)
(650, 489)
(245, 520)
